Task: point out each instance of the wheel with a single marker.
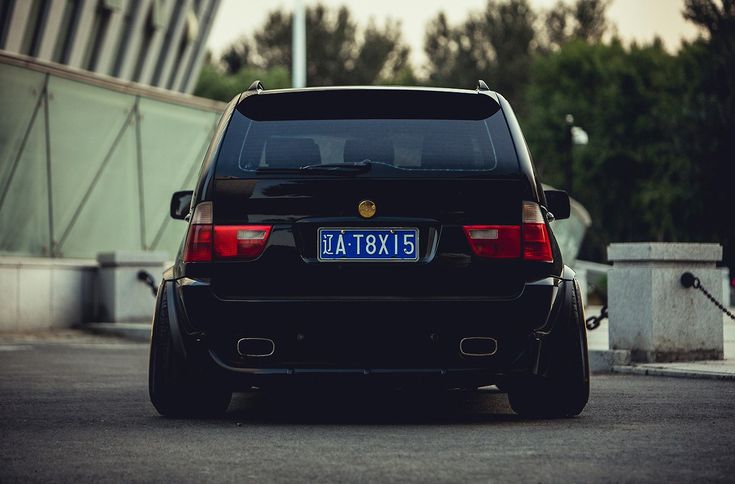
(174, 388)
(565, 391)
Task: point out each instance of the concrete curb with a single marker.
(618, 361)
(132, 331)
(603, 361)
(672, 372)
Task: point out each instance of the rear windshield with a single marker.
(397, 133)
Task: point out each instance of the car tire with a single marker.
(564, 392)
(174, 389)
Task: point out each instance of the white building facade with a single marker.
(158, 43)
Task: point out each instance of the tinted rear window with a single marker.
(400, 132)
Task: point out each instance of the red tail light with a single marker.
(240, 241)
(206, 241)
(536, 242)
(494, 241)
(505, 241)
(198, 246)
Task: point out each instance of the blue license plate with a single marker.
(369, 244)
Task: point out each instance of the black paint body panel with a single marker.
(401, 321)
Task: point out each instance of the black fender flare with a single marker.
(568, 319)
(167, 290)
(568, 273)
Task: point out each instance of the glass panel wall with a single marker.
(86, 167)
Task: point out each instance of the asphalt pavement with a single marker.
(78, 410)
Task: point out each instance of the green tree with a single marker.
(590, 19)
(584, 20)
(510, 32)
(495, 45)
(707, 123)
(631, 176)
(237, 56)
(456, 54)
(215, 83)
(337, 52)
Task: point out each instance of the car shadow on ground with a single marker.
(364, 407)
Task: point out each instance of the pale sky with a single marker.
(638, 20)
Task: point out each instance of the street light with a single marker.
(573, 135)
(298, 45)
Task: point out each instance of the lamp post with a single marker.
(298, 45)
(573, 135)
(568, 159)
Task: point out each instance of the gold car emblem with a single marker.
(366, 208)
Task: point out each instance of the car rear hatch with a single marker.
(295, 166)
(296, 209)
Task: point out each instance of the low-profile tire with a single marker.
(564, 392)
(176, 389)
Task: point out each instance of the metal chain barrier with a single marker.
(146, 278)
(690, 280)
(593, 322)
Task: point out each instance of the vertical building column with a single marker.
(84, 28)
(134, 40)
(108, 50)
(190, 36)
(154, 49)
(18, 26)
(51, 32)
(205, 27)
(168, 57)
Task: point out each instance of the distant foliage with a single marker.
(338, 53)
(215, 84)
(495, 45)
(706, 122)
(499, 44)
(632, 175)
(661, 156)
(584, 20)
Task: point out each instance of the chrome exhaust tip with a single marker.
(478, 346)
(256, 347)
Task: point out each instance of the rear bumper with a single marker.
(239, 377)
(385, 340)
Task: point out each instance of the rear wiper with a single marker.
(318, 169)
(277, 170)
(346, 168)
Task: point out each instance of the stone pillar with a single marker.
(726, 296)
(122, 296)
(651, 314)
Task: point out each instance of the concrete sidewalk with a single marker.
(604, 360)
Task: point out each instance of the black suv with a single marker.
(391, 235)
